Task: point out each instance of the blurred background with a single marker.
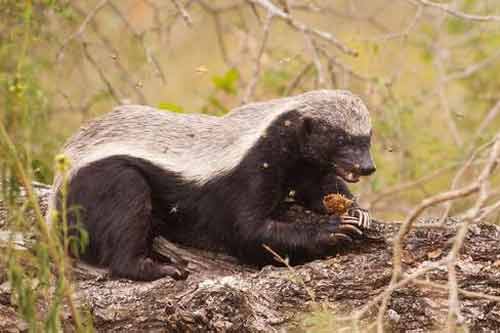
(429, 75)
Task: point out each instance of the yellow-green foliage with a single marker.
(39, 275)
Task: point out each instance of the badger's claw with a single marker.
(338, 237)
(342, 231)
(351, 225)
(346, 231)
(361, 216)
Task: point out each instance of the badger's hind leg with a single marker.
(116, 211)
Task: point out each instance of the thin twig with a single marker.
(492, 114)
(298, 79)
(459, 175)
(456, 13)
(476, 186)
(402, 34)
(466, 293)
(472, 69)
(422, 269)
(250, 90)
(220, 40)
(408, 185)
(107, 43)
(443, 100)
(303, 28)
(486, 211)
(285, 262)
(483, 182)
(185, 15)
(140, 38)
(320, 73)
(114, 94)
(81, 29)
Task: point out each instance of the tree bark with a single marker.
(221, 295)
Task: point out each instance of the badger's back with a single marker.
(198, 147)
(161, 137)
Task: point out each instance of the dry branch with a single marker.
(77, 34)
(404, 33)
(108, 45)
(478, 186)
(250, 89)
(313, 49)
(473, 68)
(490, 117)
(458, 176)
(443, 100)
(297, 80)
(408, 185)
(185, 15)
(112, 91)
(456, 13)
(301, 27)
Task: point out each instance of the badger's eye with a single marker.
(341, 140)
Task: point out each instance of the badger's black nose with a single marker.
(367, 170)
(366, 165)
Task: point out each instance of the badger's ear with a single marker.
(307, 125)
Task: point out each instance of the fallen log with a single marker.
(221, 295)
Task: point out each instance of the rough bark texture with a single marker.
(222, 296)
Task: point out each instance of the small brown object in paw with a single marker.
(336, 204)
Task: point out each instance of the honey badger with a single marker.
(138, 172)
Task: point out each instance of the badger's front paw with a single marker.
(360, 217)
(342, 230)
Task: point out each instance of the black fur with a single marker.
(126, 201)
(114, 201)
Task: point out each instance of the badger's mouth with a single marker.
(347, 174)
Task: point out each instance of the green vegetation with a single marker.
(40, 277)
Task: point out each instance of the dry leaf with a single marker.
(434, 254)
(407, 258)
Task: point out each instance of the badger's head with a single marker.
(336, 133)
